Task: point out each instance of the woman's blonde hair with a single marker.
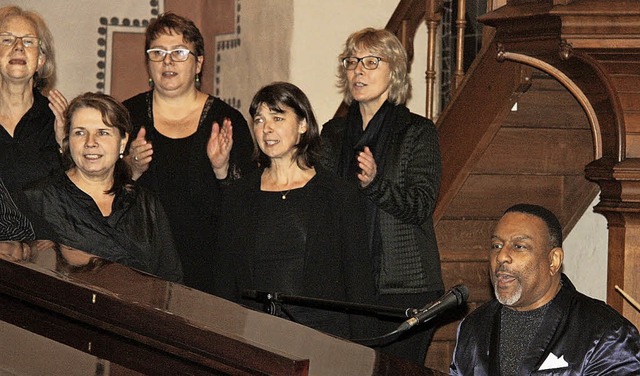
(384, 44)
(45, 77)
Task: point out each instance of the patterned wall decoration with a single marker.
(99, 44)
(109, 25)
(227, 42)
(83, 32)
(256, 53)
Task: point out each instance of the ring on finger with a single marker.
(135, 158)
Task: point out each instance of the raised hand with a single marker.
(58, 104)
(219, 148)
(368, 167)
(140, 154)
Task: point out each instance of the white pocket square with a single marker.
(553, 362)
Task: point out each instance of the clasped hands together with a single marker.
(15, 250)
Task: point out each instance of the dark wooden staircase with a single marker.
(548, 113)
(533, 152)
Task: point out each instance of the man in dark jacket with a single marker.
(539, 324)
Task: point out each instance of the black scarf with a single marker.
(355, 139)
(375, 136)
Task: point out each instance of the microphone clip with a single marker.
(456, 296)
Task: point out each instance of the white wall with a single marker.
(320, 30)
(585, 254)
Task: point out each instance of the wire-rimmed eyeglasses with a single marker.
(368, 62)
(177, 54)
(8, 40)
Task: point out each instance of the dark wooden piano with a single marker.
(107, 319)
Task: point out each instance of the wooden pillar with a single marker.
(461, 24)
(620, 205)
(433, 17)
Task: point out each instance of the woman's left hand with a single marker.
(219, 148)
(58, 104)
(368, 167)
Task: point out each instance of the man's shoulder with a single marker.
(597, 313)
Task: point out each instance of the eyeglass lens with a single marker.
(10, 40)
(368, 62)
(158, 54)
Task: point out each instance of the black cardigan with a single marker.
(337, 264)
(406, 194)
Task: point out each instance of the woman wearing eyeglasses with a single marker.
(28, 146)
(393, 157)
(173, 123)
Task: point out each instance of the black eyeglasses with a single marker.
(368, 62)
(8, 40)
(177, 54)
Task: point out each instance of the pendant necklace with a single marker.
(284, 194)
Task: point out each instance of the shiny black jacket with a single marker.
(406, 192)
(588, 336)
(136, 234)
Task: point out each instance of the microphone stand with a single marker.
(273, 305)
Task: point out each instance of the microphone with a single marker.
(269, 300)
(456, 296)
(260, 296)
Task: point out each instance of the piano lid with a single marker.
(102, 308)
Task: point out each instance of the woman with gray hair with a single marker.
(31, 128)
(393, 157)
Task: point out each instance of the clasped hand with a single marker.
(368, 167)
(23, 251)
(58, 104)
(140, 154)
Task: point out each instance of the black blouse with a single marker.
(181, 175)
(135, 234)
(32, 152)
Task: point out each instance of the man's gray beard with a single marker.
(509, 300)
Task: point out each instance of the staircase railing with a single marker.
(404, 23)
